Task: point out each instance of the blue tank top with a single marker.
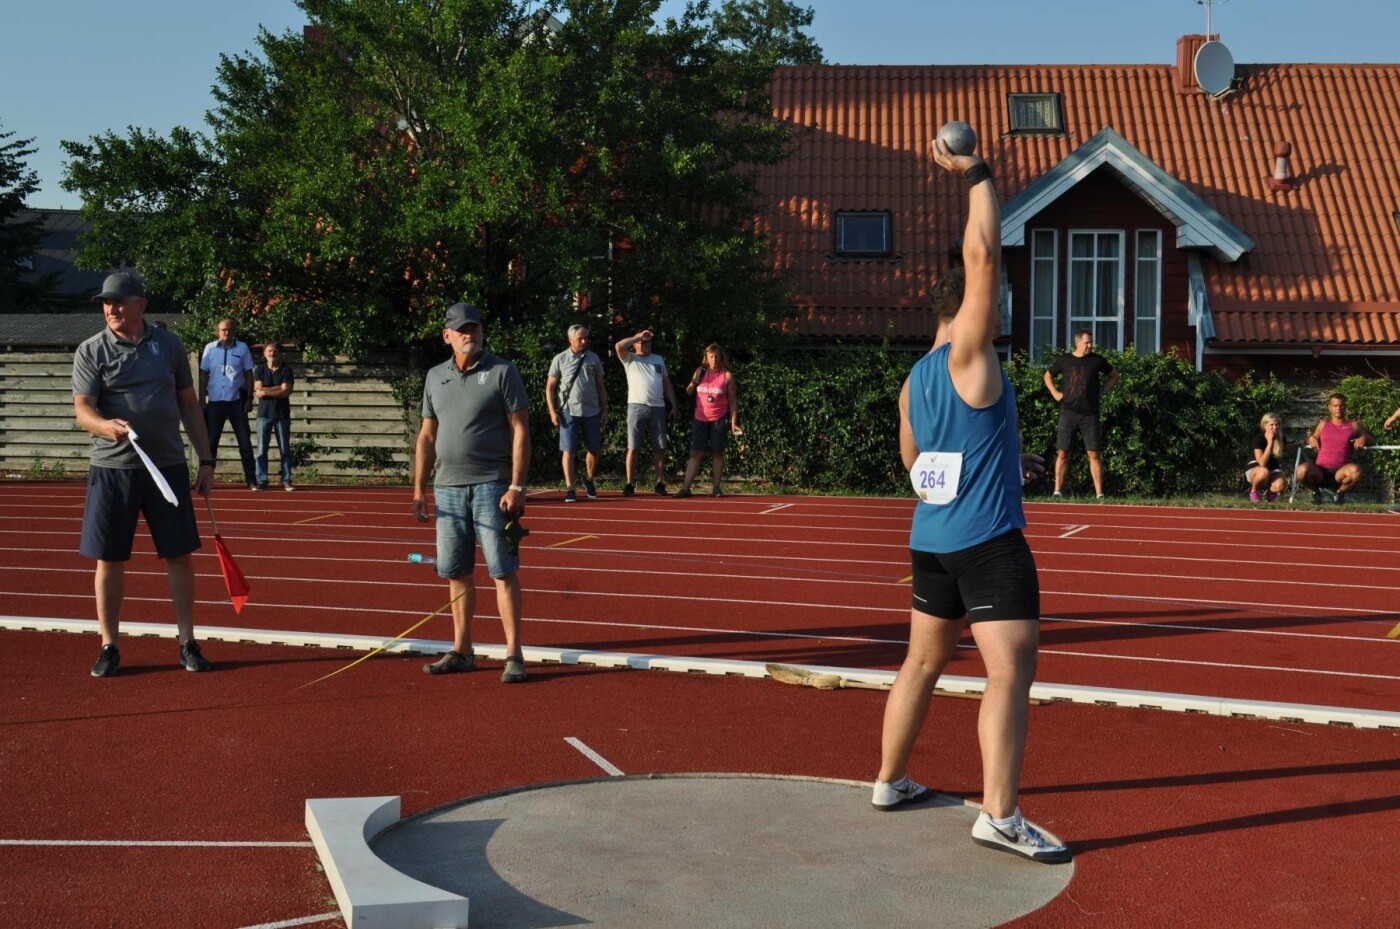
(988, 502)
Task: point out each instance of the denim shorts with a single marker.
(572, 427)
(470, 515)
(116, 496)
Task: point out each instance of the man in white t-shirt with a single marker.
(649, 397)
(225, 390)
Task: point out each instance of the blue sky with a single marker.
(71, 69)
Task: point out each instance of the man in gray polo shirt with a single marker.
(134, 378)
(476, 431)
(578, 408)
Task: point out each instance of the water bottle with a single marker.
(422, 559)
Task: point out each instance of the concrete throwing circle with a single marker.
(704, 851)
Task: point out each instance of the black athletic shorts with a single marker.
(115, 496)
(1329, 478)
(1086, 424)
(993, 580)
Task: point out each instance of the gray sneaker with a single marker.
(515, 670)
(452, 663)
(1021, 837)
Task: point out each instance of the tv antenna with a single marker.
(1210, 13)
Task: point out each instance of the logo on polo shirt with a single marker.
(481, 378)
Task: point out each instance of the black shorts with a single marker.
(114, 498)
(1086, 424)
(993, 580)
(1329, 478)
(709, 437)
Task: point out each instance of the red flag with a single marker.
(234, 580)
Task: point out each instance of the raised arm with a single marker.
(972, 362)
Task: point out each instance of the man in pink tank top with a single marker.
(1335, 439)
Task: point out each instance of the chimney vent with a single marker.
(1281, 180)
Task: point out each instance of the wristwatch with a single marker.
(518, 488)
(203, 462)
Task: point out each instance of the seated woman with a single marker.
(1266, 480)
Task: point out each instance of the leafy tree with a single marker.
(404, 154)
(19, 237)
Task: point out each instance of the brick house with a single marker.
(1254, 229)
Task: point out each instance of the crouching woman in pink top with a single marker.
(1336, 438)
(716, 415)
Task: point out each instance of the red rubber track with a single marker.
(1174, 818)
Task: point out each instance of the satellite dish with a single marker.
(1215, 68)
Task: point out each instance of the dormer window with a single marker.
(1035, 114)
(863, 234)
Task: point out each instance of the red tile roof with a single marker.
(1326, 265)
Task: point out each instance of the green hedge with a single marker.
(1169, 429)
(827, 419)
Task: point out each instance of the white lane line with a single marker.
(612, 769)
(1072, 531)
(151, 843)
(303, 921)
(774, 509)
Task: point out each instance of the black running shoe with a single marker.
(192, 658)
(628, 490)
(107, 662)
(590, 488)
(660, 490)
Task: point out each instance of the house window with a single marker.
(1035, 114)
(1045, 247)
(864, 234)
(1096, 285)
(1147, 289)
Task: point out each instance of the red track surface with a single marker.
(1173, 817)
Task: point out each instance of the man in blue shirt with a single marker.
(224, 390)
(959, 439)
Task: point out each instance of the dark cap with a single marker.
(459, 314)
(121, 285)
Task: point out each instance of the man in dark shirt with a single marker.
(272, 386)
(476, 431)
(1079, 406)
(132, 380)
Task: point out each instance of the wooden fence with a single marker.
(345, 420)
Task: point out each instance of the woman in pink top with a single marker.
(716, 415)
(1335, 438)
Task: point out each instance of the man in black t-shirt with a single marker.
(272, 385)
(1079, 406)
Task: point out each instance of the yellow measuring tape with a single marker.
(401, 635)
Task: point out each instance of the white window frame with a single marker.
(1156, 297)
(1092, 323)
(1037, 313)
(1016, 101)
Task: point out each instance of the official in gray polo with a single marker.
(133, 379)
(476, 437)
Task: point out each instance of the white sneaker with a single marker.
(1020, 838)
(889, 795)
